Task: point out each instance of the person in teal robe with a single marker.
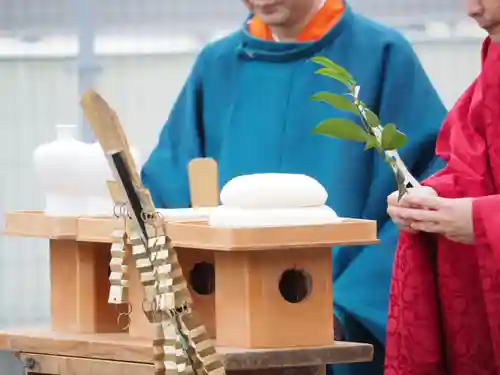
(247, 104)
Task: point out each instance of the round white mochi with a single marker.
(233, 217)
(185, 214)
(273, 190)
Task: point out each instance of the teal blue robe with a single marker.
(247, 104)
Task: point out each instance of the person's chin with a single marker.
(494, 32)
(488, 26)
(271, 20)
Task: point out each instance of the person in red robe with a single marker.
(444, 313)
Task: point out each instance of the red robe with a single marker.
(444, 313)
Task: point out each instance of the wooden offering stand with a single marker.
(266, 291)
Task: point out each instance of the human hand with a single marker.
(451, 218)
(394, 207)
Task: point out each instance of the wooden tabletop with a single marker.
(120, 347)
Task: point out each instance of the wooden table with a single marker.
(46, 352)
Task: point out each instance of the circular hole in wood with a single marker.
(202, 278)
(295, 285)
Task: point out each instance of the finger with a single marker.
(429, 202)
(429, 227)
(423, 190)
(402, 222)
(404, 203)
(415, 214)
(456, 239)
(392, 199)
(409, 229)
(460, 239)
(404, 225)
(453, 238)
(394, 213)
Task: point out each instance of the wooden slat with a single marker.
(111, 136)
(36, 224)
(107, 129)
(203, 182)
(56, 365)
(120, 347)
(198, 234)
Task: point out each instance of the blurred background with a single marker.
(137, 53)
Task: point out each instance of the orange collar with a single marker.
(324, 20)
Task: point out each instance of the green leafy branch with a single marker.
(368, 130)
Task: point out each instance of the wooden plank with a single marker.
(120, 347)
(40, 364)
(98, 229)
(36, 224)
(203, 182)
(56, 365)
(200, 235)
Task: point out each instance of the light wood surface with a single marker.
(120, 347)
(198, 234)
(252, 312)
(78, 288)
(203, 182)
(52, 365)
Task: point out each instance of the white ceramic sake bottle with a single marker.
(97, 172)
(57, 165)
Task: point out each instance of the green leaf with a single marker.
(371, 118)
(342, 129)
(329, 64)
(392, 138)
(336, 101)
(371, 142)
(335, 75)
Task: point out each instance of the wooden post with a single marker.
(80, 287)
(273, 299)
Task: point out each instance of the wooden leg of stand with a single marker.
(79, 288)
